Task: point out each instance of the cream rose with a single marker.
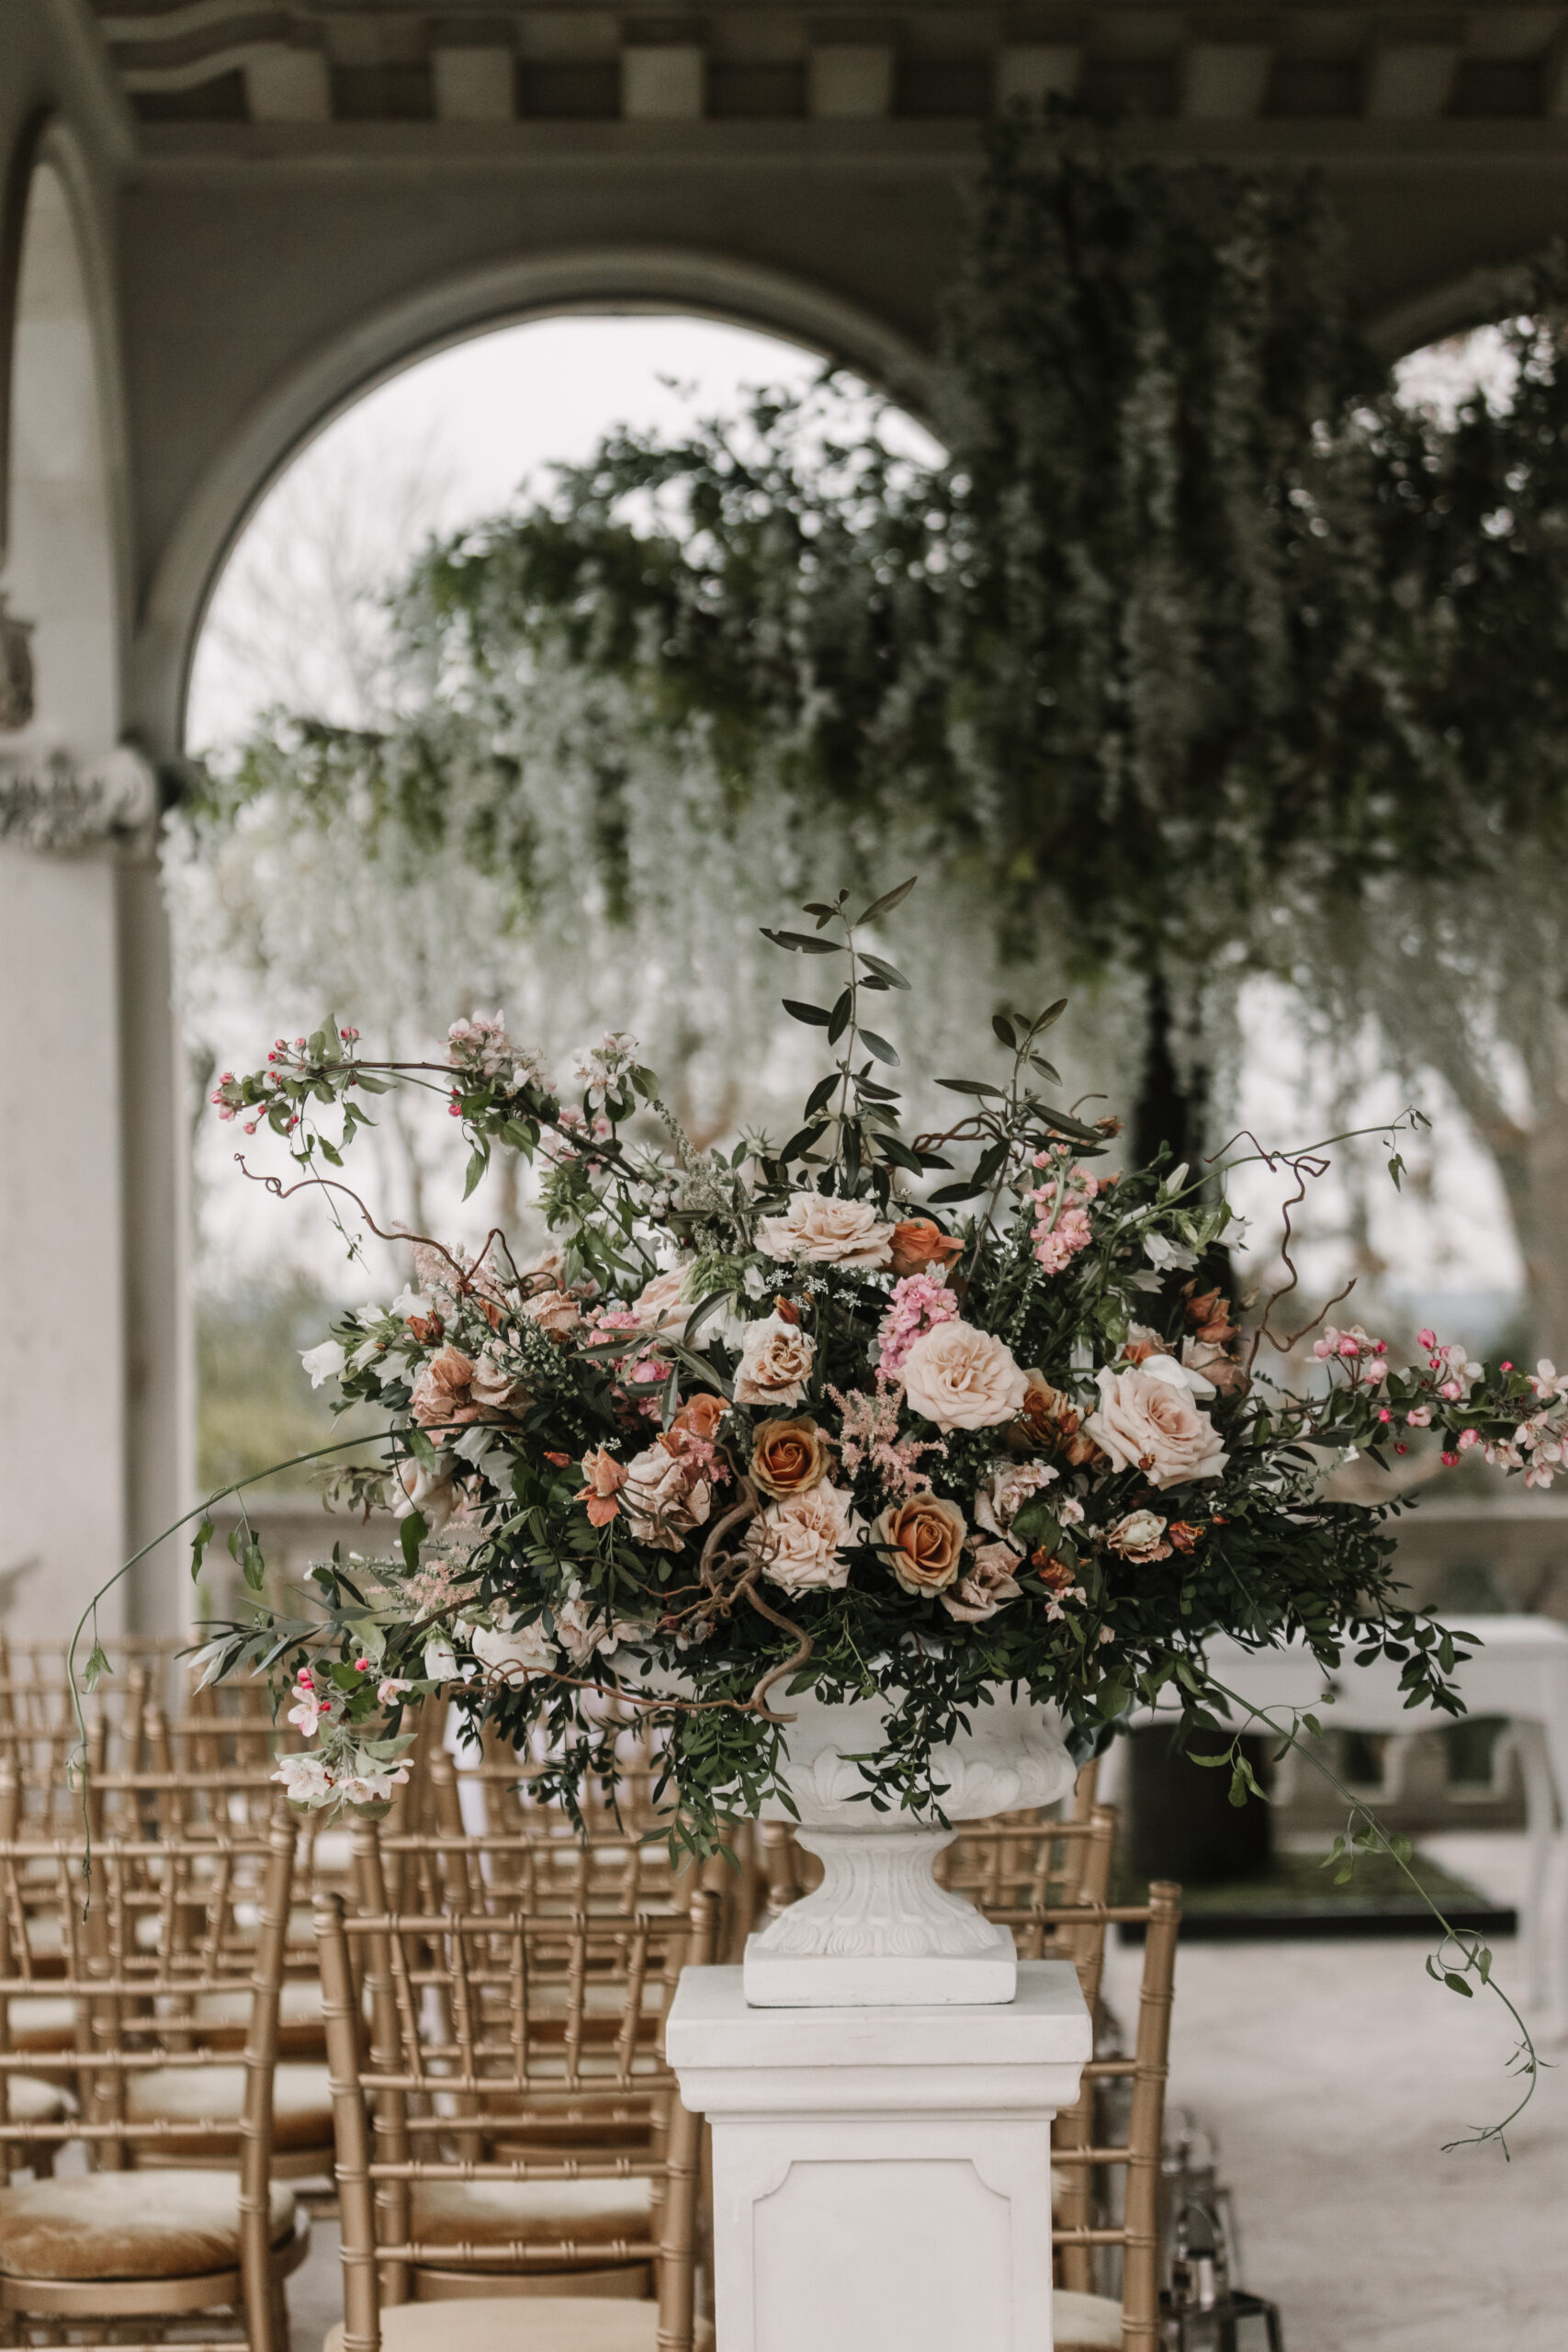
(826, 1232)
(662, 1501)
(1005, 1492)
(426, 1488)
(922, 1542)
(514, 1653)
(1148, 1422)
(1139, 1536)
(983, 1586)
(961, 1378)
(776, 1357)
(659, 1307)
(798, 1541)
(789, 1457)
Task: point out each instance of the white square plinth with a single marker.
(881, 2177)
(794, 1979)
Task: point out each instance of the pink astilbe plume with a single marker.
(868, 1437)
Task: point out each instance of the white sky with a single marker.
(293, 620)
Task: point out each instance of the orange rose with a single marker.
(700, 1416)
(788, 1456)
(1051, 1423)
(922, 1542)
(918, 1243)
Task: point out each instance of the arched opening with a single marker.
(293, 620)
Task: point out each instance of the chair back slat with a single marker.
(484, 2028)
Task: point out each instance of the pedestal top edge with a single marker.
(710, 2024)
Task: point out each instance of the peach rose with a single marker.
(605, 1478)
(1210, 1317)
(556, 1315)
(662, 1499)
(918, 1243)
(823, 1231)
(799, 1539)
(776, 1357)
(922, 1541)
(788, 1456)
(983, 1586)
(961, 1378)
(1138, 1537)
(1147, 1420)
(700, 1416)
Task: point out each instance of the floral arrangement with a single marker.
(912, 1416)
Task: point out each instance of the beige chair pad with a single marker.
(43, 2021)
(472, 2215)
(1084, 2322)
(35, 2102)
(301, 2103)
(299, 2003)
(523, 2323)
(129, 2225)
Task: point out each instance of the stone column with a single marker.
(93, 1400)
(881, 2177)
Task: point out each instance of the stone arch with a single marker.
(329, 380)
(63, 546)
(1470, 300)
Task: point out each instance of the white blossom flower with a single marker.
(325, 1363)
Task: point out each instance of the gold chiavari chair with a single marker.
(1089, 2322)
(489, 2010)
(154, 2230)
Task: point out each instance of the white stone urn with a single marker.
(879, 1931)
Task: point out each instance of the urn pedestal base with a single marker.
(879, 1932)
(881, 2177)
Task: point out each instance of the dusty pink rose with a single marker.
(1148, 1422)
(988, 1582)
(775, 1363)
(961, 1378)
(444, 1392)
(497, 1390)
(821, 1231)
(1005, 1492)
(1139, 1536)
(1216, 1365)
(799, 1539)
(1141, 1343)
(664, 1497)
(556, 1315)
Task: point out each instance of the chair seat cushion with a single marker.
(129, 2225)
(539, 2324)
(34, 2102)
(1084, 2322)
(301, 2105)
(43, 2021)
(471, 2216)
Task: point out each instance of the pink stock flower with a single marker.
(919, 1304)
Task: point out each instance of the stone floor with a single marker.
(1331, 2073)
